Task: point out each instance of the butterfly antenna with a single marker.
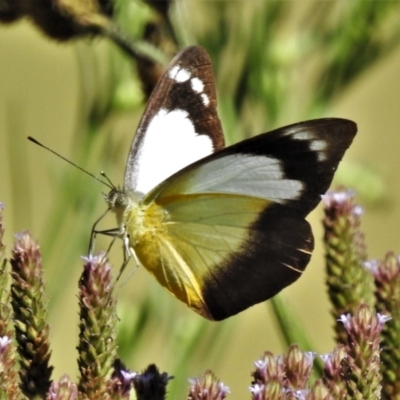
(108, 183)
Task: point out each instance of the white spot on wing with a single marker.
(173, 71)
(304, 135)
(314, 145)
(319, 146)
(205, 99)
(197, 85)
(169, 144)
(179, 74)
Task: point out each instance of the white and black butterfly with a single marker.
(221, 228)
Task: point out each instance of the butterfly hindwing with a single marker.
(274, 255)
(220, 254)
(180, 124)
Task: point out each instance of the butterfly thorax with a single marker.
(140, 222)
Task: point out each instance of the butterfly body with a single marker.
(221, 228)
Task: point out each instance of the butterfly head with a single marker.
(117, 199)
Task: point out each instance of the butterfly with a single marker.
(222, 229)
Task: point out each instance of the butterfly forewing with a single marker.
(180, 124)
(236, 218)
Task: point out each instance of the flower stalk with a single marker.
(97, 338)
(387, 292)
(349, 283)
(362, 365)
(208, 387)
(29, 304)
(9, 388)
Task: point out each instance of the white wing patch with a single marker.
(205, 99)
(302, 135)
(242, 174)
(179, 74)
(319, 146)
(197, 85)
(315, 144)
(169, 144)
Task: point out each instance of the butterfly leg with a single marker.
(94, 232)
(114, 233)
(128, 254)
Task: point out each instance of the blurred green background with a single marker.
(276, 63)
